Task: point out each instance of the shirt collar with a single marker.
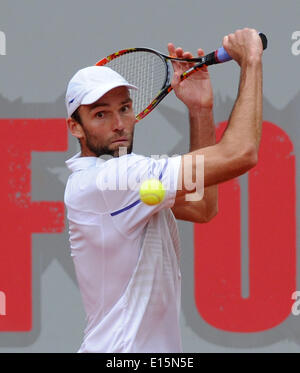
(77, 162)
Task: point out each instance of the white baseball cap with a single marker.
(91, 83)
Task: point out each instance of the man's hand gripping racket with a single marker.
(150, 71)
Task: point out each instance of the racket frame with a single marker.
(166, 86)
(212, 58)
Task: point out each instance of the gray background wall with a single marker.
(46, 43)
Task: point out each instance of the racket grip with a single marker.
(220, 55)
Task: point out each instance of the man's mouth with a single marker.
(121, 139)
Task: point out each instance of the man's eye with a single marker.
(125, 108)
(100, 114)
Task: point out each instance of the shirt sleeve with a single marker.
(119, 181)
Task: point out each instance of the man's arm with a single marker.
(197, 94)
(202, 134)
(237, 151)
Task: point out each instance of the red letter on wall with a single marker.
(20, 216)
(272, 244)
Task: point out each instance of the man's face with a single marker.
(108, 124)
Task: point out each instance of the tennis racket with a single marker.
(150, 71)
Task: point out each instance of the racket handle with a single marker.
(220, 55)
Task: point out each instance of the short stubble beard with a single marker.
(99, 150)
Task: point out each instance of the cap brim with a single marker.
(97, 93)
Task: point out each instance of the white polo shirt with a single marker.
(126, 253)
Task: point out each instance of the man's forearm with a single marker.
(203, 134)
(244, 128)
(202, 129)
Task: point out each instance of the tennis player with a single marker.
(126, 253)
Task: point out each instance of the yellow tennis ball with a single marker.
(152, 192)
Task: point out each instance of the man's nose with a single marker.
(117, 122)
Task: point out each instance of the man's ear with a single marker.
(75, 128)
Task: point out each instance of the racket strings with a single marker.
(146, 71)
